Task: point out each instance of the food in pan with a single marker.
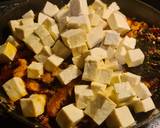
(80, 65)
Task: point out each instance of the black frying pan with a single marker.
(16, 8)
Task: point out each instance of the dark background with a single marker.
(8, 122)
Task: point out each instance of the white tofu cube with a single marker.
(123, 91)
(93, 38)
(118, 23)
(15, 88)
(34, 105)
(42, 17)
(35, 70)
(80, 50)
(121, 55)
(7, 52)
(133, 79)
(98, 87)
(112, 64)
(145, 105)
(29, 14)
(134, 57)
(112, 38)
(128, 42)
(69, 74)
(57, 49)
(142, 91)
(82, 95)
(69, 116)
(74, 37)
(13, 41)
(82, 22)
(113, 7)
(53, 62)
(111, 52)
(99, 108)
(78, 7)
(13, 24)
(50, 9)
(45, 36)
(34, 43)
(120, 118)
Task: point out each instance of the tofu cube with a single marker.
(46, 51)
(13, 41)
(82, 95)
(78, 7)
(112, 38)
(118, 23)
(111, 52)
(74, 37)
(40, 58)
(99, 108)
(34, 105)
(45, 36)
(7, 52)
(52, 62)
(81, 21)
(116, 78)
(123, 91)
(142, 91)
(57, 49)
(120, 118)
(121, 55)
(27, 21)
(145, 105)
(42, 17)
(15, 88)
(29, 14)
(50, 9)
(93, 38)
(69, 74)
(113, 7)
(112, 64)
(35, 70)
(69, 116)
(13, 24)
(34, 43)
(128, 42)
(98, 87)
(135, 57)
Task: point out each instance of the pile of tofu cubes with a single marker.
(95, 37)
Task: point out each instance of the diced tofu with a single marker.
(98, 87)
(50, 9)
(142, 91)
(120, 118)
(93, 38)
(99, 108)
(27, 21)
(15, 88)
(74, 37)
(103, 75)
(128, 42)
(134, 57)
(34, 105)
(112, 38)
(145, 105)
(7, 52)
(29, 14)
(108, 92)
(13, 24)
(57, 49)
(133, 79)
(42, 17)
(121, 55)
(82, 95)
(111, 51)
(69, 116)
(53, 62)
(96, 20)
(123, 91)
(99, 7)
(82, 22)
(34, 43)
(116, 78)
(113, 7)
(118, 23)
(46, 51)
(40, 58)
(80, 50)
(78, 7)
(35, 70)
(112, 64)
(98, 53)
(13, 41)
(69, 74)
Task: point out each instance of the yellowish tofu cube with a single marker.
(120, 118)
(34, 105)
(35, 70)
(69, 116)
(27, 21)
(29, 14)
(116, 78)
(13, 24)
(13, 41)
(98, 87)
(121, 55)
(42, 17)
(15, 88)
